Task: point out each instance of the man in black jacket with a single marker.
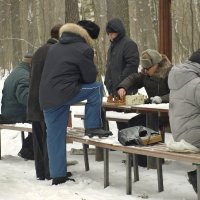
(35, 114)
(122, 60)
(69, 76)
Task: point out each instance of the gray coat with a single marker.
(184, 107)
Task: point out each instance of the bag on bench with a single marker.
(138, 135)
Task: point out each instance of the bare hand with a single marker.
(121, 92)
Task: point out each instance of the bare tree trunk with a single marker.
(71, 11)
(16, 33)
(122, 12)
(110, 9)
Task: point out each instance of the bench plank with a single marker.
(15, 127)
(157, 150)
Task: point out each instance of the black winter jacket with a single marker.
(122, 58)
(69, 64)
(34, 113)
(156, 85)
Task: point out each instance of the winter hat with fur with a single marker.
(92, 28)
(154, 57)
(195, 57)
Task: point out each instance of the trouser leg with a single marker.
(93, 94)
(28, 142)
(40, 149)
(45, 151)
(56, 121)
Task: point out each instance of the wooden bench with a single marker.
(159, 151)
(22, 128)
(14, 127)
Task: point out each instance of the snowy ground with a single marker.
(18, 182)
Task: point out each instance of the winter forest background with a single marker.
(25, 25)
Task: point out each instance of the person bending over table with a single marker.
(153, 77)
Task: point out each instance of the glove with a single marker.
(156, 100)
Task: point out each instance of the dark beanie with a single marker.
(195, 57)
(55, 31)
(92, 28)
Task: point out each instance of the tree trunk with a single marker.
(16, 32)
(71, 11)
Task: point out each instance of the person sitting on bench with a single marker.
(153, 77)
(14, 102)
(184, 105)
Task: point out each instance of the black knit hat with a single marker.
(92, 28)
(55, 31)
(195, 57)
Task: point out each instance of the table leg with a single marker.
(106, 168)
(160, 174)
(85, 154)
(128, 174)
(135, 167)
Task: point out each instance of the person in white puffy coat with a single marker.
(184, 104)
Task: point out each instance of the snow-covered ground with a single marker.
(18, 182)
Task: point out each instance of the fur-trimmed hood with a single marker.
(163, 70)
(78, 30)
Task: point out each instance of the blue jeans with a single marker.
(56, 119)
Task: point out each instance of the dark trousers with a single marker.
(28, 142)
(40, 149)
(139, 120)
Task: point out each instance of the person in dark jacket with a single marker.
(14, 101)
(34, 112)
(154, 77)
(122, 60)
(184, 105)
(69, 76)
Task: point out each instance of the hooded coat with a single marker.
(155, 85)
(34, 111)
(122, 58)
(69, 64)
(184, 106)
(15, 93)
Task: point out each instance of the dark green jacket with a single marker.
(15, 93)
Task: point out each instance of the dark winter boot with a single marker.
(26, 153)
(61, 180)
(193, 179)
(91, 132)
